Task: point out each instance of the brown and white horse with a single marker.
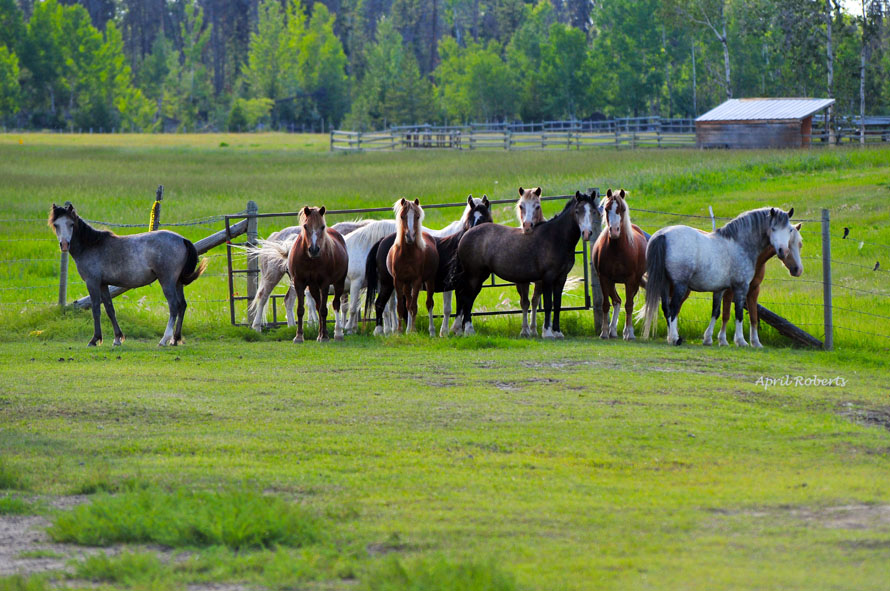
(619, 256)
(530, 214)
(413, 262)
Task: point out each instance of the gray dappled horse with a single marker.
(104, 258)
(680, 259)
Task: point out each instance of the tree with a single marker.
(566, 73)
(187, 89)
(320, 64)
(524, 58)
(10, 91)
(267, 58)
(474, 82)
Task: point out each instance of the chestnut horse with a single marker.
(530, 214)
(619, 256)
(413, 262)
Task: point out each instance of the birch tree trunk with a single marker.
(829, 122)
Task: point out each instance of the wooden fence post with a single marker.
(63, 280)
(332, 139)
(826, 281)
(252, 262)
(596, 291)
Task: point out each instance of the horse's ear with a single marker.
(54, 205)
(416, 201)
(797, 227)
(305, 210)
(521, 191)
(69, 206)
(402, 202)
(470, 200)
(622, 194)
(608, 192)
(790, 213)
(485, 200)
(578, 195)
(772, 212)
(321, 211)
(538, 191)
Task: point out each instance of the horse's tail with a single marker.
(192, 268)
(656, 282)
(371, 278)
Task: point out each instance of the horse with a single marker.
(619, 256)
(317, 259)
(413, 263)
(547, 255)
(273, 268)
(104, 258)
(794, 265)
(530, 214)
(680, 259)
(478, 211)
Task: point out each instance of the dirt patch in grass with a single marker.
(872, 417)
(852, 517)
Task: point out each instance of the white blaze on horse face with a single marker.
(792, 259)
(779, 239)
(586, 225)
(410, 233)
(476, 217)
(614, 221)
(64, 228)
(528, 215)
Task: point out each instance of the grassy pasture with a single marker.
(411, 463)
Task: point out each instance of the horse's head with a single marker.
(780, 234)
(615, 216)
(478, 212)
(314, 229)
(409, 219)
(528, 209)
(586, 212)
(63, 219)
(792, 259)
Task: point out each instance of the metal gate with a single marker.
(592, 294)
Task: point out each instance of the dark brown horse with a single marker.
(619, 256)
(316, 260)
(547, 255)
(413, 262)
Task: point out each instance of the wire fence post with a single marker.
(252, 262)
(596, 290)
(826, 281)
(63, 280)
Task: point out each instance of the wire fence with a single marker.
(863, 288)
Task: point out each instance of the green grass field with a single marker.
(415, 463)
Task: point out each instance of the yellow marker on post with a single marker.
(154, 219)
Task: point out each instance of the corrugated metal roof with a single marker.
(765, 108)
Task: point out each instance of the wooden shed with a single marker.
(759, 123)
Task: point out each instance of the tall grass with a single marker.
(437, 574)
(235, 519)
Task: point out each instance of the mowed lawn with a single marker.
(415, 462)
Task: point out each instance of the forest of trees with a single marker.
(199, 65)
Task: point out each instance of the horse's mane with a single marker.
(744, 222)
(86, 234)
(370, 234)
(626, 224)
(564, 211)
(396, 208)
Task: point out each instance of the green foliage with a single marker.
(10, 477)
(187, 88)
(128, 568)
(10, 90)
(474, 83)
(394, 574)
(236, 519)
(14, 506)
(246, 114)
(21, 583)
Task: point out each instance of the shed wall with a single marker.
(749, 134)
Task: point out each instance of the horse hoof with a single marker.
(558, 335)
(338, 337)
(679, 341)
(378, 331)
(604, 336)
(298, 338)
(741, 343)
(629, 338)
(94, 343)
(116, 343)
(707, 342)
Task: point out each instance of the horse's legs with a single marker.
(630, 292)
(339, 316)
(446, 313)
(269, 280)
(401, 294)
(430, 287)
(727, 310)
(414, 294)
(715, 312)
(740, 292)
(290, 298)
(383, 307)
(173, 305)
(536, 305)
(320, 294)
(547, 333)
(180, 295)
(312, 308)
(355, 293)
(557, 306)
(465, 304)
(522, 288)
(300, 292)
(754, 315)
(681, 290)
(109, 309)
(95, 290)
(616, 309)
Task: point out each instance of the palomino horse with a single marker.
(546, 255)
(104, 259)
(680, 259)
(792, 261)
(619, 256)
(413, 262)
(478, 211)
(273, 268)
(530, 214)
(316, 260)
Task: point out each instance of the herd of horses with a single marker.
(394, 260)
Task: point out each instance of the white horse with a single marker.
(680, 259)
